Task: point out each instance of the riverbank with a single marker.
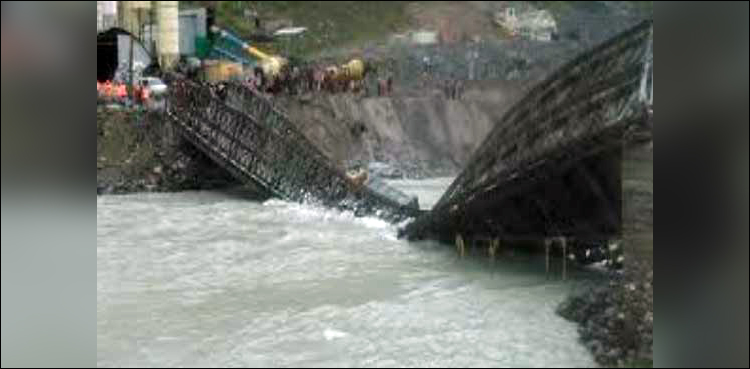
(616, 320)
(137, 151)
(413, 137)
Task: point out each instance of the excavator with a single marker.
(228, 45)
(354, 70)
(274, 67)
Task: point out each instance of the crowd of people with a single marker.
(117, 92)
(298, 80)
(453, 89)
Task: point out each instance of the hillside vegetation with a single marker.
(353, 24)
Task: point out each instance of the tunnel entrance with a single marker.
(113, 55)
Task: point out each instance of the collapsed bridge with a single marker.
(247, 135)
(552, 166)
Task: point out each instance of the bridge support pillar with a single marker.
(638, 202)
(564, 258)
(547, 243)
(493, 249)
(460, 246)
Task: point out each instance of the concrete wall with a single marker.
(638, 201)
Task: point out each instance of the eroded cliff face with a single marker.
(419, 136)
(423, 136)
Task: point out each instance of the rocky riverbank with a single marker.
(616, 320)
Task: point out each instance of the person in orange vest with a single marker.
(138, 94)
(122, 92)
(107, 90)
(145, 94)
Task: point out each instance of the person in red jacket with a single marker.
(122, 92)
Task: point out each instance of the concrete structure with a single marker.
(192, 26)
(132, 15)
(418, 37)
(138, 19)
(638, 201)
(106, 15)
(168, 38)
(533, 24)
(113, 56)
(424, 37)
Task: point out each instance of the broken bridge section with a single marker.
(248, 136)
(552, 165)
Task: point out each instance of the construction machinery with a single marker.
(354, 70)
(278, 72)
(228, 45)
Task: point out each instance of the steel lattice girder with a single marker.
(588, 106)
(258, 144)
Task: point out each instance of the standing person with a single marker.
(253, 82)
(260, 79)
(138, 94)
(145, 95)
(107, 91)
(122, 93)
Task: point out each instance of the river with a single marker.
(207, 279)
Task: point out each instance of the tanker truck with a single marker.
(345, 76)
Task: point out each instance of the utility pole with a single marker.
(130, 82)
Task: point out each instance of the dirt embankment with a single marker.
(139, 152)
(423, 136)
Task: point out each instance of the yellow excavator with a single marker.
(352, 70)
(272, 65)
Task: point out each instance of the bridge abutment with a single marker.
(638, 201)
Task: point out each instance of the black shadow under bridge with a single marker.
(551, 167)
(252, 139)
